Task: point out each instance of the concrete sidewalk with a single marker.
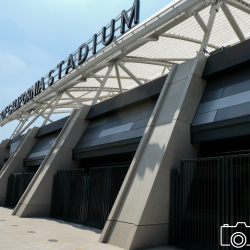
(47, 233)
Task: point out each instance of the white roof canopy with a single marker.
(173, 35)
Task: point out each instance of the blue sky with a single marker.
(38, 34)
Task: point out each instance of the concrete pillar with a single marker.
(3, 147)
(15, 162)
(140, 217)
(36, 200)
(4, 151)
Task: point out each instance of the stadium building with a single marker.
(154, 148)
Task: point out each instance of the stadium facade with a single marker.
(155, 150)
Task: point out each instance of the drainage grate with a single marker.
(52, 240)
(30, 232)
(2, 220)
(14, 225)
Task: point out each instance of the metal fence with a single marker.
(206, 194)
(87, 198)
(17, 184)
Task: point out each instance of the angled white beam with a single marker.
(61, 111)
(67, 101)
(152, 62)
(188, 39)
(163, 71)
(233, 22)
(74, 99)
(33, 120)
(51, 110)
(44, 116)
(206, 37)
(165, 60)
(27, 117)
(37, 116)
(97, 78)
(140, 42)
(122, 77)
(98, 93)
(243, 7)
(118, 78)
(130, 74)
(200, 22)
(89, 89)
(21, 122)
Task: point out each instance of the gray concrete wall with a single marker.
(140, 216)
(3, 147)
(36, 200)
(15, 162)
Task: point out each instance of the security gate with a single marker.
(17, 184)
(87, 198)
(206, 194)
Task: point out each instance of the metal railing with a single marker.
(206, 194)
(87, 198)
(17, 184)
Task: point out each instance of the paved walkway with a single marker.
(47, 233)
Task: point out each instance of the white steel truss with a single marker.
(173, 35)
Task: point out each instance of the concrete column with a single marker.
(3, 147)
(15, 162)
(4, 151)
(36, 200)
(140, 217)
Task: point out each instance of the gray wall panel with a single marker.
(232, 112)
(125, 113)
(204, 118)
(229, 79)
(236, 88)
(147, 106)
(123, 125)
(90, 136)
(38, 154)
(101, 127)
(97, 122)
(43, 143)
(140, 124)
(128, 135)
(116, 130)
(137, 117)
(43, 148)
(94, 142)
(212, 95)
(224, 102)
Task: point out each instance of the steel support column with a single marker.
(102, 85)
(118, 78)
(130, 74)
(233, 22)
(213, 12)
(52, 109)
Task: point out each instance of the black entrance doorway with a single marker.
(87, 198)
(207, 194)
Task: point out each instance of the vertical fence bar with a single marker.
(174, 176)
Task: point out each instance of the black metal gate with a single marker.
(206, 194)
(17, 184)
(87, 198)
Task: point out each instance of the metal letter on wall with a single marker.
(135, 14)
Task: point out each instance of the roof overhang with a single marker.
(146, 52)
